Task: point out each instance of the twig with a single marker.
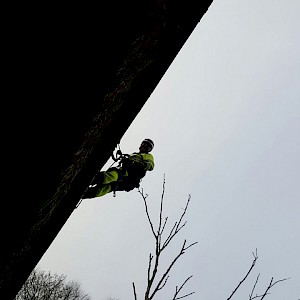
(176, 228)
(271, 284)
(134, 291)
(252, 266)
(177, 290)
(254, 286)
(161, 206)
(147, 212)
(251, 296)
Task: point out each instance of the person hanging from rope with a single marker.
(126, 176)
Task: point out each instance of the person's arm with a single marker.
(148, 161)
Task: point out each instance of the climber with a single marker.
(127, 176)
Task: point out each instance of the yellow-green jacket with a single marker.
(145, 159)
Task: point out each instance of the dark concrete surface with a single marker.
(75, 78)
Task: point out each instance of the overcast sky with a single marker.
(225, 120)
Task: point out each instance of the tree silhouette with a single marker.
(41, 285)
(156, 282)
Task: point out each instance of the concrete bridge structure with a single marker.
(76, 77)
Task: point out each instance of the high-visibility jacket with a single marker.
(145, 159)
(133, 169)
(136, 165)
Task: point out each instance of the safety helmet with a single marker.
(149, 143)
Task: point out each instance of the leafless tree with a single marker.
(156, 282)
(41, 286)
(259, 296)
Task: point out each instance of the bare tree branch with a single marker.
(163, 227)
(254, 286)
(160, 245)
(252, 266)
(177, 226)
(271, 284)
(251, 295)
(134, 291)
(185, 295)
(161, 206)
(149, 265)
(177, 290)
(147, 212)
(160, 282)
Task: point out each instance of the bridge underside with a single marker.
(76, 78)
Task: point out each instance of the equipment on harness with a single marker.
(119, 156)
(130, 173)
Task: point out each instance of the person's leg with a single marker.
(109, 176)
(103, 186)
(103, 190)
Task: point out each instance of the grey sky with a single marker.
(225, 120)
